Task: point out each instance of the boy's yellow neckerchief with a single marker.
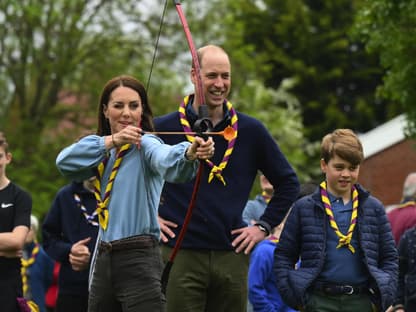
(344, 240)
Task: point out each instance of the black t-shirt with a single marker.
(15, 210)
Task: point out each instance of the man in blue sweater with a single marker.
(210, 270)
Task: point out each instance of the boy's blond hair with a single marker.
(344, 143)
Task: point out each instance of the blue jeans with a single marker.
(128, 281)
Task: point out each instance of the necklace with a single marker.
(216, 171)
(102, 204)
(344, 240)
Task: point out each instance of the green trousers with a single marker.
(207, 281)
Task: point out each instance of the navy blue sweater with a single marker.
(219, 208)
(65, 225)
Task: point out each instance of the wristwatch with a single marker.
(263, 228)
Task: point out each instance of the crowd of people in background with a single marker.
(123, 221)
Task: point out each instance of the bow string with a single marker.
(203, 124)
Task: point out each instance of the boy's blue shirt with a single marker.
(254, 209)
(262, 286)
(334, 270)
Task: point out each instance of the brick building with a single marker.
(389, 157)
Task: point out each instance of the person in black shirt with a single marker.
(15, 210)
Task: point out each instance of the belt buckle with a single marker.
(106, 247)
(349, 290)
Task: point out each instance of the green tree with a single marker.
(309, 40)
(280, 111)
(270, 41)
(275, 106)
(55, 56)
(388, 28)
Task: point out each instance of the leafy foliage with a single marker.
(275, 106)
(309, 40)
(280, 111)
(388, 28)
(294, 65)
(55, 56)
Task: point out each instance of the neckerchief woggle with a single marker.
(215, 170)
(344, 240)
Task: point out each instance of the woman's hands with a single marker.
(128, 135)
(200, 148)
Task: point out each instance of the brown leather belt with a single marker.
(133, 242)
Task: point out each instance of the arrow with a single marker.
(228, 133)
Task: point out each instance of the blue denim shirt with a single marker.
(135, 195)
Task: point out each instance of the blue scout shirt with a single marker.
(335, 271)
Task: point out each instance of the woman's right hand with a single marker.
(128, 135)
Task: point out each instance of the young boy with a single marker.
(15, 209)
(255, 207)
(343, 237)
(262, 287)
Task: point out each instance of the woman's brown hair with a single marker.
(110, 86)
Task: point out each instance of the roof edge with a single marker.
(383, 136)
